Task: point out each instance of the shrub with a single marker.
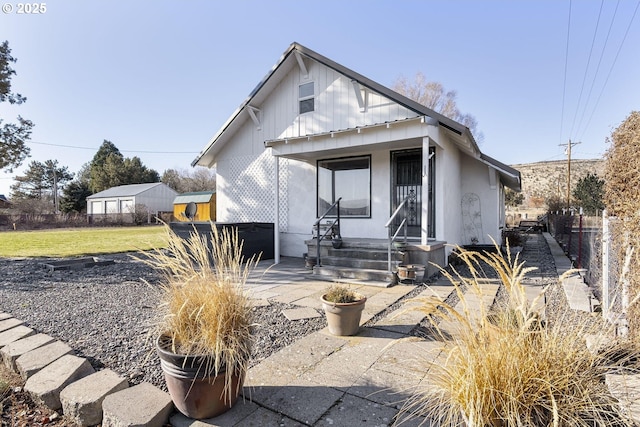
(506, 367)
(512, 238)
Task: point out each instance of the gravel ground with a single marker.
(105, 313)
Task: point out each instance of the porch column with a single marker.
(425, 191)
(276, 224)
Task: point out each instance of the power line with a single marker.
(566, 62)
(604, 47)
(586, 69)
(122, 151)
(635, 11)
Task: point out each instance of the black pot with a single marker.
(194, 388)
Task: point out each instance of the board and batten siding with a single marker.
(336, 104)
(244, 165)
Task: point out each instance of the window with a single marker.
(306, 102)
(349, 178)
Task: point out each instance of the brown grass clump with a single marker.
(507, 367)
(341, 294)
(205, 309)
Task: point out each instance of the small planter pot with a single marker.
(195, 392)
(336, 242)
(414, 272)
(343, 318)
(310, 262)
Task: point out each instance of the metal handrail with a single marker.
(403, 225)
(319, 238)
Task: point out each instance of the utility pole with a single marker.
(568, 152)
(55, 190)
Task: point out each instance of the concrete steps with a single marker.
(362, 260)
(371, 277)
(64, 382)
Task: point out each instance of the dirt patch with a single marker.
(17, 409)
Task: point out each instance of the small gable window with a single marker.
(306, 101)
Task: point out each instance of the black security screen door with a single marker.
(407, 182)
(406, 174)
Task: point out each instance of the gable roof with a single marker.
(126, 190)
(195, 197)
(289, 60)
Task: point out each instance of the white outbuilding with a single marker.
(123, 200)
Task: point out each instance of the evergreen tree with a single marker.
(109, 168)
(106, 166)
(512, 198)
(13, 136)
(134, 172)
(74, 196)
(589, 194)
(41, 181)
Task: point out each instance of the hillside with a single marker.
(542, 180)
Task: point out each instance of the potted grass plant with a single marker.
(204, 330)
(343, 308)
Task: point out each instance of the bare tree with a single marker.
(185, 181)
(434, 96)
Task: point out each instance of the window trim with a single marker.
(370, 206)
(307, 97)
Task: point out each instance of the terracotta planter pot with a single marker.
(343, 318)
(413, 272)
(195, 392)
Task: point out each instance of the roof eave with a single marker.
(243, 105)
(444, 121)
(511, 177)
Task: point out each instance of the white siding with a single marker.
(476, 181)
(245, 169)
(448, 196)
(336, 104)
(157, 199)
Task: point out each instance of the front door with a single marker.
(406, 176)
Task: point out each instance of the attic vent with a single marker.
(306, 100)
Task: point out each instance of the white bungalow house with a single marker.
(122, 200)
(313, 132)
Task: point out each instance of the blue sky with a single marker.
(158, 78)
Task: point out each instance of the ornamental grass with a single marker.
(341, 294)
(506, 366)
(205, 309)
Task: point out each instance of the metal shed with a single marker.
(156, 197)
